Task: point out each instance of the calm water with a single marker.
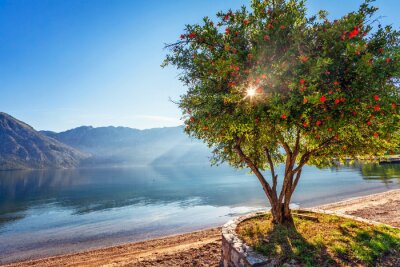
(52, 212)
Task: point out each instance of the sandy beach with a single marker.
(202, 248)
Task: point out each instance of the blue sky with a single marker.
(67, 63)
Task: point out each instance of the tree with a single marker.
(271, 86)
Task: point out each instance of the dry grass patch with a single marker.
(330, 241)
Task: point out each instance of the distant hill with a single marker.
(22, 147)
(122, 146)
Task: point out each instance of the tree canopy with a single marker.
(271, 85)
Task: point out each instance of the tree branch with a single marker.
(306, 156)
(271, 165)
(296, 180)
(297, 144)
(266, 187)
(285, 146)
(174, 44)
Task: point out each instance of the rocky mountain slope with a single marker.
(22, 147)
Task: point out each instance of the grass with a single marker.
(332, 241)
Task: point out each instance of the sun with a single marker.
(250, 92)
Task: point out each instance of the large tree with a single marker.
(272, 85)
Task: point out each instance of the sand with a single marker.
(202, 248)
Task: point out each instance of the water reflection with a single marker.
(386, 173)
(85, 191)
(88, 206)
(100, 189)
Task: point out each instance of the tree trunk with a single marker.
(282, 214)
(281, 210)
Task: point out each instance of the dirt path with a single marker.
(202, 248)
(383, 207)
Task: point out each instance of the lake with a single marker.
(46, 213)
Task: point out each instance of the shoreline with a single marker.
(202, 248)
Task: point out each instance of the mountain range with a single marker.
(22, 147)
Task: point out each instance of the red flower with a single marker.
(354, 113)
(394, 105)
(192, 35)
(283, 27)
(230, 84)
(376, 134)
(270, 26)
(318, 122)
(358, 52)
(368, 122)
(263, 76)
(303, 59)
(376, 97)
(330, 129)
(342, 99)
(191, 119)
(337, 101)
(283, 116)
(182, 36)
(305, 100)
(335, 83)
(330, 92)
(266, 38)
(377, 108)
(327, 72)
(322, 99)
(388, 60)
(302, 81)
(245, 22)
(227, 30)
(260, 90)
(354, 32)
(305, 124)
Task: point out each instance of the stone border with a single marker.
(235, 253)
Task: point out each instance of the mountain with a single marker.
(122, 146)
(22, 147)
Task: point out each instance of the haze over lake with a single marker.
(57, 211)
